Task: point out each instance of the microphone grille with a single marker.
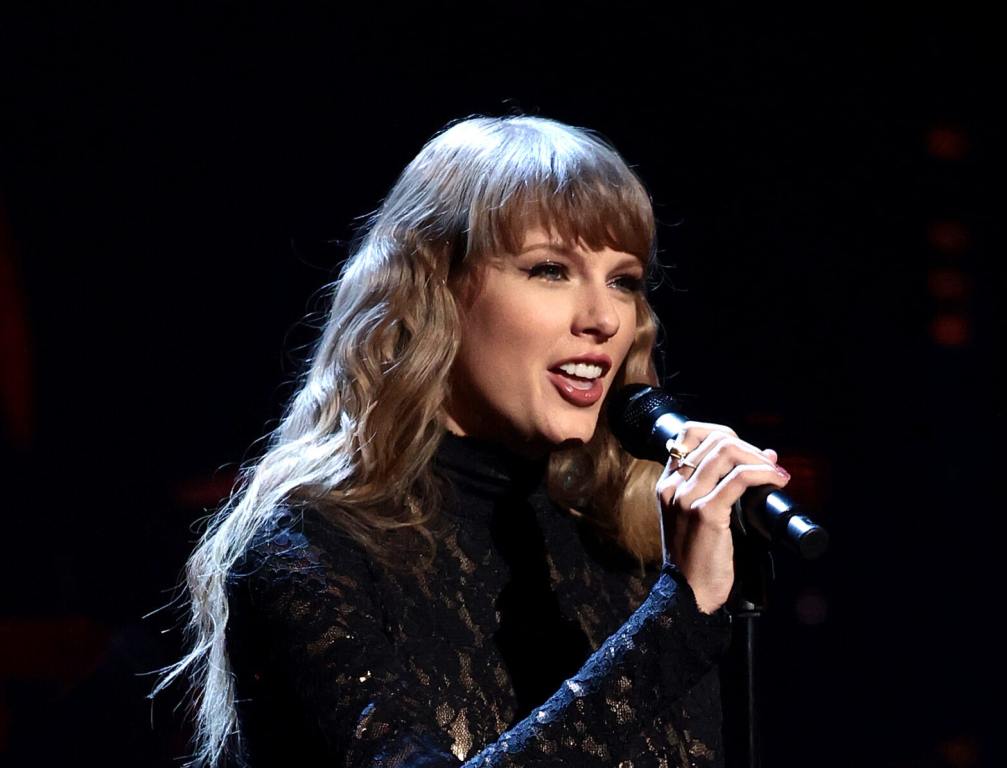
(633, 412)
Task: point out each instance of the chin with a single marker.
(573, 435)
(571, 442)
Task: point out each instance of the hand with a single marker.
(696, 505)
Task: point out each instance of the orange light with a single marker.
(947, 143)
(948, 236)
(950, 330)
(961, 752)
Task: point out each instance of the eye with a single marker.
(628, 283)
(549, 270)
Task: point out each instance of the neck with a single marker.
(532, 450)
(490, 469)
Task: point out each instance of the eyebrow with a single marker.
(574, 253)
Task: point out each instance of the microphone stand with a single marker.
(754, 572)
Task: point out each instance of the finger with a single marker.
(716, 461)
(691, 437)
(716, 505)
(677, 471)
(693, 433)
(703, 428)
(723, 451)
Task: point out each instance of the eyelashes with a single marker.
(553, 272)
(550, 270)
(630, 284)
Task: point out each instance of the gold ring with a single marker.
(678, 452)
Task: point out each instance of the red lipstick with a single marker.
(576, 390)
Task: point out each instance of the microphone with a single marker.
(644, 420)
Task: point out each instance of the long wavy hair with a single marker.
(357, 437)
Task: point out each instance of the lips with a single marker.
(576, 390)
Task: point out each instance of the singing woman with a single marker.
(444, 557)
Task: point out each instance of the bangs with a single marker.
(567, 182)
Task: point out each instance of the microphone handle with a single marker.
(779, 520)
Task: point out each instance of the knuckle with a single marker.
(666, 492)
(736, 479)
(727, 447)
(711, 511)
(709, 426)
(690, 431)
(671, 492)
(683, 501)
(701, 430)
(740, 452)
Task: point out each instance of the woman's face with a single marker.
(543, 334)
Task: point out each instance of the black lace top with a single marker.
(530, 642)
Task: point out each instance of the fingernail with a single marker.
(783, 473)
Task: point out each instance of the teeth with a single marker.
(582, 370)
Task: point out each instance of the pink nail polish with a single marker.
(783, 473)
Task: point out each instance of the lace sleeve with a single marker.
(320, 622)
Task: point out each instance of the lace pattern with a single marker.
(525, 645)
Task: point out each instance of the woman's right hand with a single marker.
(696, 505)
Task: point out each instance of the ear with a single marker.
(466, 286)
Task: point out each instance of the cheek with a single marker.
(502, 337)
(515, 319)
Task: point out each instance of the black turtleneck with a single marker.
(483, 470)
(540, 647)
(525, 644)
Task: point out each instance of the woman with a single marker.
(444, 556)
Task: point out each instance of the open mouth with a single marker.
(582, 383)
(578, 383)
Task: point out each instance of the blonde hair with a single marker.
(357, 438)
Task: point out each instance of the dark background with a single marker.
(179, 181)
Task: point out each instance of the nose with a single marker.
(596, 313)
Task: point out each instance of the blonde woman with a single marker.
(444, 557)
